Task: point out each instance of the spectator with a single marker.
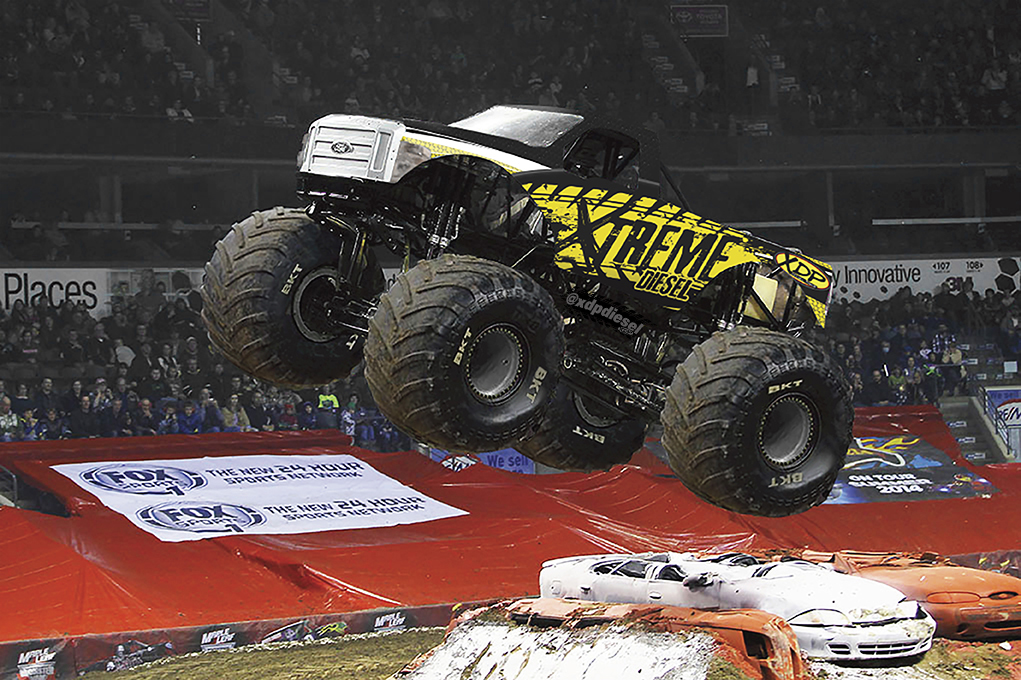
(100, 348)
(84, 421)
(142, 337)
(212, 417)
(72, 351)
(52, 426)
(877, 391)
(898, 385)
(11, 427)
(45, 397)
(306, 417)
(145, 422)
(143, 363)
(219, 382)
(154, 386)
(288, 420)
(192, 350)
(166, 359)
(193, 379)
(21, 400)
(953, 370)
(327, 400)
(189, 420)
(169, 424)
(122, 354)
(72, 398)
(122, 391)
(260, 415)
(235, 417)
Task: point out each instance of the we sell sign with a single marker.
(191, 499)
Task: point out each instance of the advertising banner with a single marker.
(1007, 401)
(866, 280)
(701, 21)
(903, 468)
(191, 499)
(504, 459)
(94, 286)
(36, 660)
(56, 284)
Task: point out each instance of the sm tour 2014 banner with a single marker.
(191, 499)
(903, 468)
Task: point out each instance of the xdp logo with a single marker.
(153, 480)
(201, 518)
(803, 271)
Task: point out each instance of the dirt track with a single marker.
(378, 656)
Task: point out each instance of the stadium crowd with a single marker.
(142, 370)
(911, 349)
(78, 58)
(442, 60)
(146, 367)
(862, 65)
(903, 65)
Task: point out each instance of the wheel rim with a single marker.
(309, 305)
(787, 432)
(496, 363)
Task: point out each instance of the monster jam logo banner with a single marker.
(37, 660)
(650, 246)
(903, 469)
(188, 500)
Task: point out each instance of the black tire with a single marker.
(464, 353)
(263, 300)
(578, 433)
(758, 422)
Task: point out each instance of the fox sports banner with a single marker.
(191, 499)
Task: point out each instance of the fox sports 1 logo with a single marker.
(142, 479)
(201, 518)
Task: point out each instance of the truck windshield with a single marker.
(528, 126)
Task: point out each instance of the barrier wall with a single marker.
(96, 573)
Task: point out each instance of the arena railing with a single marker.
(8, 487)
(1009, 434)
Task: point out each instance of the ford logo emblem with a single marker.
(341, 148)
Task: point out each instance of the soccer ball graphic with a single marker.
(1007, 280)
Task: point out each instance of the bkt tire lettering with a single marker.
(773, 389)
(533, 389)
(785, 480)
(289, 283)
(459, 357)
(594, 436)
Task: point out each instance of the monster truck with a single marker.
(550, 298)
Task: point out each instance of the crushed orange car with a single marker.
(967, 603)
(760, 645)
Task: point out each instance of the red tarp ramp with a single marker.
(95, 572)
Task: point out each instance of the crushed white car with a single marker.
(835, 616)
